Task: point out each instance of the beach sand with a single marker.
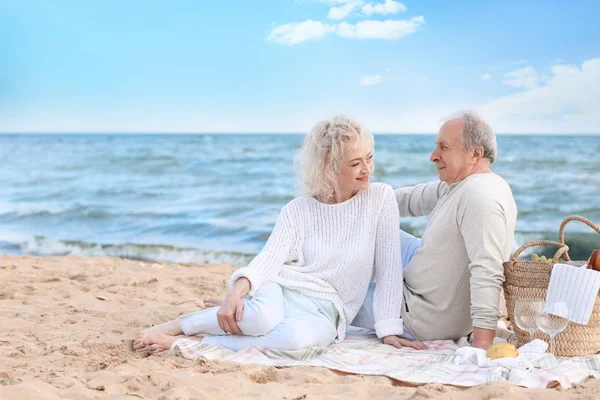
(63, 321)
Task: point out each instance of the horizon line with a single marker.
(270, 133)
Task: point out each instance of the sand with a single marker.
(63, 321)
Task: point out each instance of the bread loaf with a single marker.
(502, 350)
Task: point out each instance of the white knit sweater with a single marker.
(332, 251)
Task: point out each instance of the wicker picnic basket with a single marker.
(529, 280)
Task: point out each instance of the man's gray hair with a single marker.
(476, 132)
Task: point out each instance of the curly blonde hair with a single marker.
(319, 160)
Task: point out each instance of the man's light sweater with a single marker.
(331, 252)
(453, 281)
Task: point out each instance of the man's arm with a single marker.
(483, 338)
(419, 200)
(482, 221)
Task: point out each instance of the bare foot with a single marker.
(171, 329)
(212, 302)
(153, 342)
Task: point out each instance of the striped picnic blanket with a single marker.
(362, 353)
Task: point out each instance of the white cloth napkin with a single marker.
(529, 357)
(577, 287)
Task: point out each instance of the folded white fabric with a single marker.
(529, 357)
(577, 287)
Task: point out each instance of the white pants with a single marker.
(274, 318)
(365, 317)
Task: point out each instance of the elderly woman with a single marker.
(310, 279)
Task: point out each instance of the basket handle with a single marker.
(562, 249)
(561, 230)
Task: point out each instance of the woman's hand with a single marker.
(230, 313)
(398, 342)
(232, 309)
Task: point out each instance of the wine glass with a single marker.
(525, 312)
(552, 320)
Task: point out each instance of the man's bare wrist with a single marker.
(482, 344)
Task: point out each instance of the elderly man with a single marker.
(453, 276)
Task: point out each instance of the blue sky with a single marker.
(279, 66)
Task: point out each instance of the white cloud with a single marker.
(296, 33)
(522, 62)
(564, 70)
(567, 103)
(390, 29)
(344, 10)
(526, 78)
(371, 80)
(486, 76)
(385, 8)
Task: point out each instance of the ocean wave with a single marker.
(31, 211)
(42, 246)
(24, 209)
(580, 248)
(56, 211)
